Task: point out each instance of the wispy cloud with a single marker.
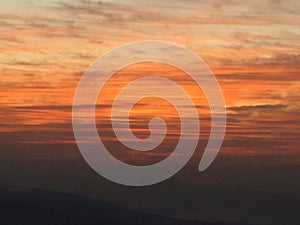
(252, 47)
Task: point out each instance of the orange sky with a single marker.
(252, 47)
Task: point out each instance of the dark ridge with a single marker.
(40, 207)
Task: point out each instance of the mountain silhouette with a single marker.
(41, 207)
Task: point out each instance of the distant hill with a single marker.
(39, 207)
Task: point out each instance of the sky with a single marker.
(252, 47)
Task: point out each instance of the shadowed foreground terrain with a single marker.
(47, 207)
